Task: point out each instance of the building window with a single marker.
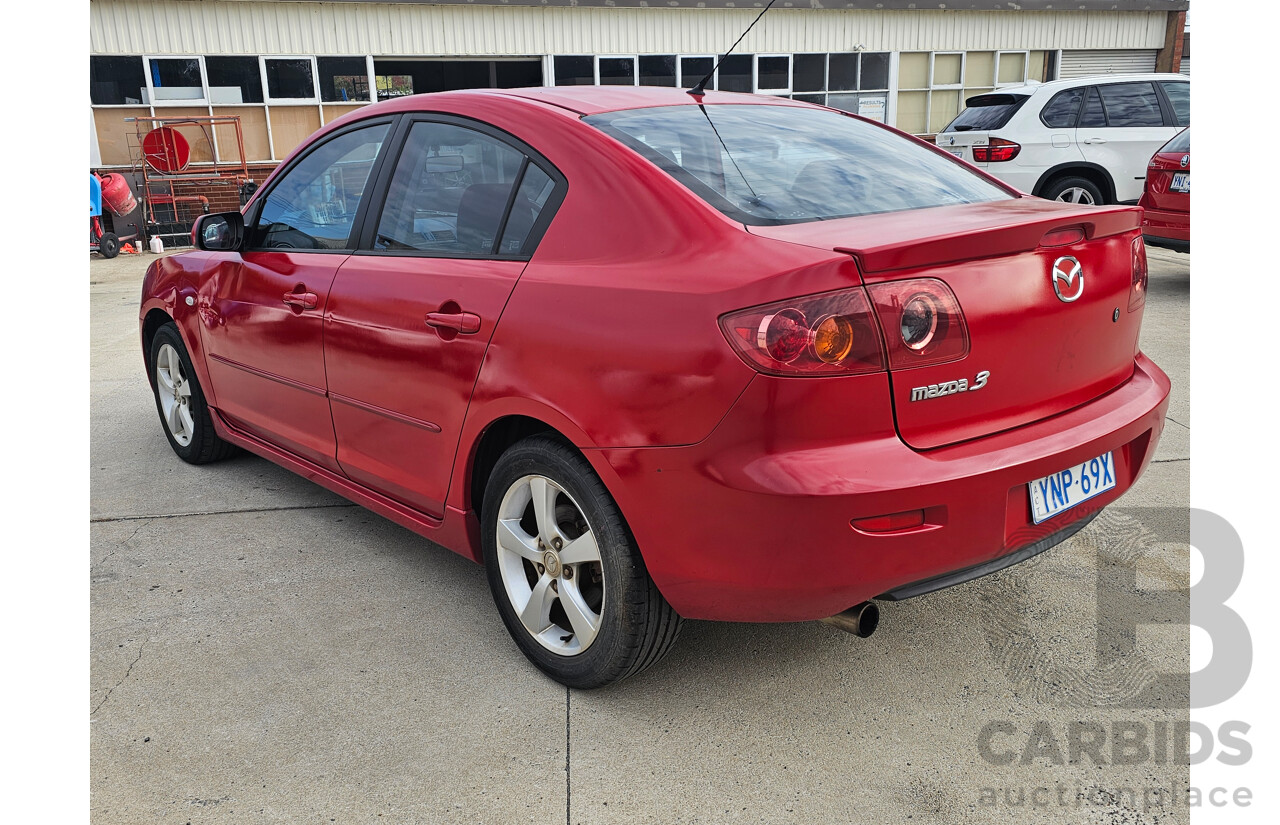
(116, 81)
(773, 74)
(175, 80)
(933, 86)
(343, 79)
(693, 69)
(233, 80)
(290, 78)
(575, 70)
(658, 70)
(856, 82)
(617, 71)
(735, 73)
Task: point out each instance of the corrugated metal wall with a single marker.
(184, 27)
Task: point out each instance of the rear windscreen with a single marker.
(986, 112)
(770, 165)
(1181, 143)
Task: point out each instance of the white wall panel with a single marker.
(210, 27)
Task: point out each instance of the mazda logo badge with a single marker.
(1067, 278)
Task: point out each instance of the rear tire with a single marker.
(594, 617)
(184, 414)
(1073, 189)
(109, 245)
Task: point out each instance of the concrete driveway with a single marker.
(263, 651)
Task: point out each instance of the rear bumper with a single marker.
(1168, 229)
(753, 524)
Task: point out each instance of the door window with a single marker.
(314, 205)
(1093, 114)
(1131, 104)
(451, 191)
(1179, 95)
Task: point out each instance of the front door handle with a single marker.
(302, 300)
(1095, 140)
(467, 323)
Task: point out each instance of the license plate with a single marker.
(1181, 182)
(957, 152)
(1063, 490)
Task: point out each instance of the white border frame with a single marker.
(203, 100)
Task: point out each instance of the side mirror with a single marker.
(220, 232)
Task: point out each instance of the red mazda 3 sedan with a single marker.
(651, 356)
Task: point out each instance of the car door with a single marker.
(264, 307)
(1121, 127)
(411, 313)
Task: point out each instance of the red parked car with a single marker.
(1167, 195)
(651, 356)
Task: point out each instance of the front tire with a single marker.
(184, 414)
(565, 572)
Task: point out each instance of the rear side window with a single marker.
(1131, 104)
(1179, 95)
(1061, 110)
(1093, 114)
(986, 112)
(770, 165)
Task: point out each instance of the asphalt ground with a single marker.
(264, 651)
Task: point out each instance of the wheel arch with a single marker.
(155, 318)
(1078, 168)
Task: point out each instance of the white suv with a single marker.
(1085, 140)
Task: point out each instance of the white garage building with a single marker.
(287, 67)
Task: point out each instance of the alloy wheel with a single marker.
(1076, 194)
(550, 565)
(174, 391)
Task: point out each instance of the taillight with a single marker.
(996, 150)
(1138, 286)
(828, 334)
(922, 322)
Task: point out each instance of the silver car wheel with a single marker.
(550, 565)
(174, 391)
(1076, 194)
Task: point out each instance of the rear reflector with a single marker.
(1138, 286)
(889, 523)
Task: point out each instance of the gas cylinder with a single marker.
(117, 195)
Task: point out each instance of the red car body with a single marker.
(1166, 220)
(740, 487)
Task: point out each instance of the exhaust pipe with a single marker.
(860, 620)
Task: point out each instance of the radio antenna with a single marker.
(701, 87)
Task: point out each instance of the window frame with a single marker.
(203, 100)
(755, 74)
(1026, 68)
(268, 100)
(683, 82)
(253, 211)
(381, 188)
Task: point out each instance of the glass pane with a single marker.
(844, 73)
(1131, 104)
(394, 85)
(574, 71)
(658, 70)
(1093, 114)
(535, 188)
(772, 164)
(875, 71)
(1013, 67)
(115, 81)
(1180, 96)
(943, 108)
(343, 79)
(175, 79)
(1060, 112)
(810, 72)
(449, 192)
(773, 73)
(946, 69)
(290, 79)
(518, 74)
(617, 71)
(986, 111)
(821, 100)
(1181, 142)
(980, 69)
(847, 103)
(693, 69)
(735, 73)
(913, 70)
(233, 79)
(1035, 66)
(314, 205)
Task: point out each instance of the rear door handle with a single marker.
(1095, 140)
(302, 300)
(467, 323)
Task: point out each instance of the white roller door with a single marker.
(1106, 61)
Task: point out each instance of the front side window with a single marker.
(449, 194)
(313, 207)
(1131, 104)
(768, 165)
